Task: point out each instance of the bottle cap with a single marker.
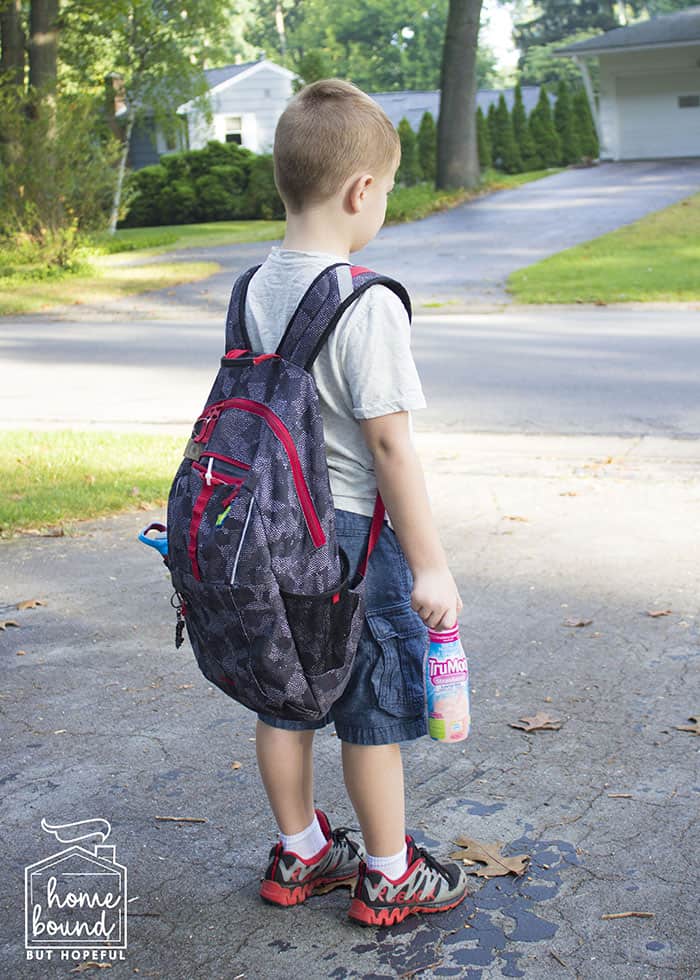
(444, 636)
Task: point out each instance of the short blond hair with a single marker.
(329, 131)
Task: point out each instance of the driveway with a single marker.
(464, 256)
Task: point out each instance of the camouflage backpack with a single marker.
(265, 592)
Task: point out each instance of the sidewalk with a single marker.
(105, 719)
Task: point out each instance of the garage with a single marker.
(647, 103)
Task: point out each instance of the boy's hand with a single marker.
(435, 598)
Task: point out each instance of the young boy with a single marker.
(335, 156)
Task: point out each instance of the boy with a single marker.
(335, 157)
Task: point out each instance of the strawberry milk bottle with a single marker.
(447, 686)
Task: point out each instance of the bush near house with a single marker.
(222, 182)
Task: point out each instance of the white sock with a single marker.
(307, 842)
(393, 866)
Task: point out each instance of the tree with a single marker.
(519, 116)
(541, 66)
(427, 146)
(158, 52)
(491, 123)
(12, 40)
(584, 125)
(506, 154)
(564, 123)
(543, 132)
(457, 160)
(483, 139)
(43, 44)
(409, 169)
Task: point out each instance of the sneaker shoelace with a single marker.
(432, 862)
(340, 836)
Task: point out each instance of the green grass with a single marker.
(654, 259)
(51, 478)
(175, 237)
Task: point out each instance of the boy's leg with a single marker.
(285, 760)
(374, 781)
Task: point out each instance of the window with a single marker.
(688, 101)
(233, 130)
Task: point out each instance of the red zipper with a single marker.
(283, 434)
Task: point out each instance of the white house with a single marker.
(246, 102)
(649, 100)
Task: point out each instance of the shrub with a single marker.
(564, 123)
(409, 169)
(483, 139)
(506, 154)
(547, 143)
(222, 182)
(584, 125)
(427, 146)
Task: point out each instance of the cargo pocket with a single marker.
(322, 625)
(397, 678)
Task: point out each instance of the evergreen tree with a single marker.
(544, 134)
(409, 170)
(484, 139)
(427, 146)
(584, 125)
(528, 151)
(505, 151)
(519, 116)
(491, 124)
(564, 123)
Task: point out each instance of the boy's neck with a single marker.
(316, 230)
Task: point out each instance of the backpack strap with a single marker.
(236, 333)
(331, 293)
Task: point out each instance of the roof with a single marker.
(682, 27)
(215, 76)
(412, 105)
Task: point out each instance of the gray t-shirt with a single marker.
(365, 370)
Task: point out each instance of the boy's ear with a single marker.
(357, 192)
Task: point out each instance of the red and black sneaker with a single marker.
(426, 886)
(290, 879)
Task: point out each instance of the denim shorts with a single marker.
(384, 699)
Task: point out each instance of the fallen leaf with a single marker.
(548, 699)
(538, 722)
(577, 622)
(515, 517)
(654, 613)
(89, 965)
(236, 765)
(600, 302)
(30, 603)
(495, 863)
(21, 653)
(694, 729)
(628, 915)
(568, 493)
(4, 623)
(89, 478)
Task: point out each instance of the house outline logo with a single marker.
(76, 898)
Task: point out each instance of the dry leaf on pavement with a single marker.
(538, 722)
(577, 622)
(4, 623)
(91, 965)
(515, 517)
(30, 603)
(236, 765)
(489, 855)
(654, 613)
(694, 729)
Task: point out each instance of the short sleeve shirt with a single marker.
(365, 370)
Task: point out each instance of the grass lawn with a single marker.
(655, 258)
(51, 478)
(97, 284)
(103, 276)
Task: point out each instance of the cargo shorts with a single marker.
(384, 701)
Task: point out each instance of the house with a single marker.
(412, 105)
(649, 99)
(246, 101)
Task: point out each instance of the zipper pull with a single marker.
(207, 475)
(180, 611)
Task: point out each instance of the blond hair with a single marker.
(329, 131)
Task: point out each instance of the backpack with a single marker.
(265, 592)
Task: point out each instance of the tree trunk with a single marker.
(114, 217)
(43, 44)
(457, 158)
(12, 40)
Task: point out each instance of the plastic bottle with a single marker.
(447, 686)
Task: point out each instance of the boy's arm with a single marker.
(401, 483)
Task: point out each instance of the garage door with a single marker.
(659, 115)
